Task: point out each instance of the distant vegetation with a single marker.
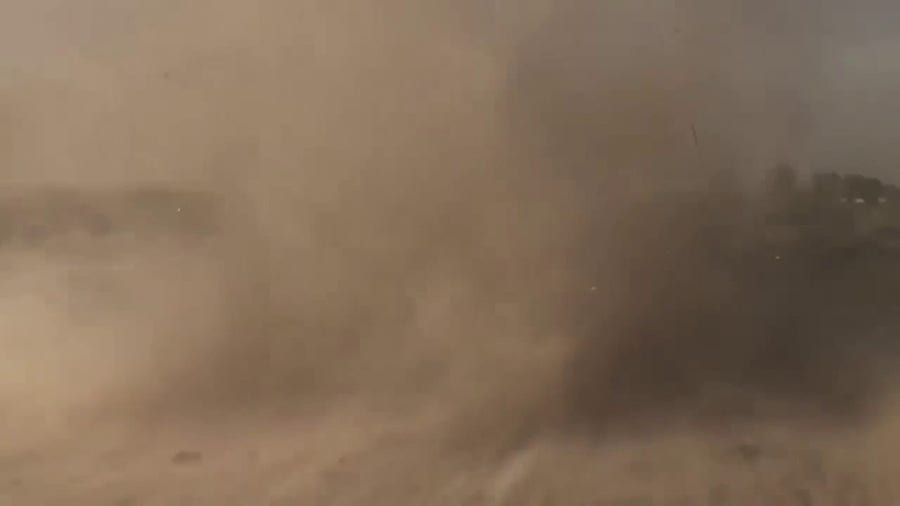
(849, 205)
(35, 216)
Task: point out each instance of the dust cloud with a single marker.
(398, 252)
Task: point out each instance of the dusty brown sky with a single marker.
(68, 69)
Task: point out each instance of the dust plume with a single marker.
(307, 237)
(374, 235)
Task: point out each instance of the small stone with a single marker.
(748, 452)
(187, 457)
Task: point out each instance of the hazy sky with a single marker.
(65, 65)
(860, 116)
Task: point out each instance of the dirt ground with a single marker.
(347, 457)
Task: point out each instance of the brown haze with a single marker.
(458, 259)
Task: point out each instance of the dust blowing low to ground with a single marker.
(415, 253)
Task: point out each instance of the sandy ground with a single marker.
(353, 458)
